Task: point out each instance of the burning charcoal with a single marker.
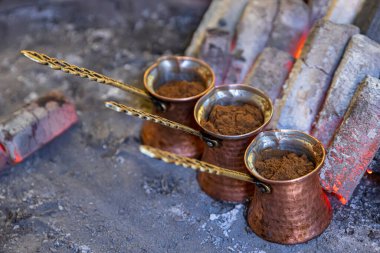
(343, 11)
(270, 71)
(3, 157)
(291, 21)
(368, 20)
(236, 65)
(355, 142)
(318, 9)
(34, 125)
(253, 31)
(310, 77)
(375, 164)
(215, 51)
(223, 14)
(361, 58)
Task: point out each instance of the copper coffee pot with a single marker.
(167, 68)
(285, 212)
(230, 153)
(296, 210)
(221, 150)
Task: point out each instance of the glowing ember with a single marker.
(21, 135)
(350, 153)
(2, 148)
(342, 200)
(17, 157)
(298, 50)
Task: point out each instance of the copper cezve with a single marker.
(168, 68)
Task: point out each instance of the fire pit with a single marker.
(91, 190)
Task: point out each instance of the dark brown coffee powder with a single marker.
(285, 167)
(233, 119)
(180, 89)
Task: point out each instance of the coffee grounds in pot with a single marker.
(285, 167)
(180, 89)
(233, 119)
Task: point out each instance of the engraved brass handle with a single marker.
(57, 64)
(160, 120)
(201, 166)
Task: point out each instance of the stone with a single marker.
(291, 21)
(361, 58)
(270, 71)
(215, 51)
(318, 9)
(29, 128)
(309, 80)
(253, 31)
(223, 14)
(355, 143)
(343, 11)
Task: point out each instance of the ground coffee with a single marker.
(285, 167)
(180, 89)
(233, 119)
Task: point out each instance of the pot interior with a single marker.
(233, 94)
(177, 68)
(279, 142)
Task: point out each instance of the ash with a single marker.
(226, 220)
(90, 190)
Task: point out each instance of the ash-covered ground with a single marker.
(90, 190)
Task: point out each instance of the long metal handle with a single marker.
(194, 164)
(201, 166)
(150, 117)
(157, 119)
(57, 64)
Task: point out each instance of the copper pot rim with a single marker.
(254, 172)
(234, 137)
(178, 58)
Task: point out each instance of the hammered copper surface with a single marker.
(297, 210)
(293, 213)
(231, 156)
(172, 140)
(230, 153)
(179, 110)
